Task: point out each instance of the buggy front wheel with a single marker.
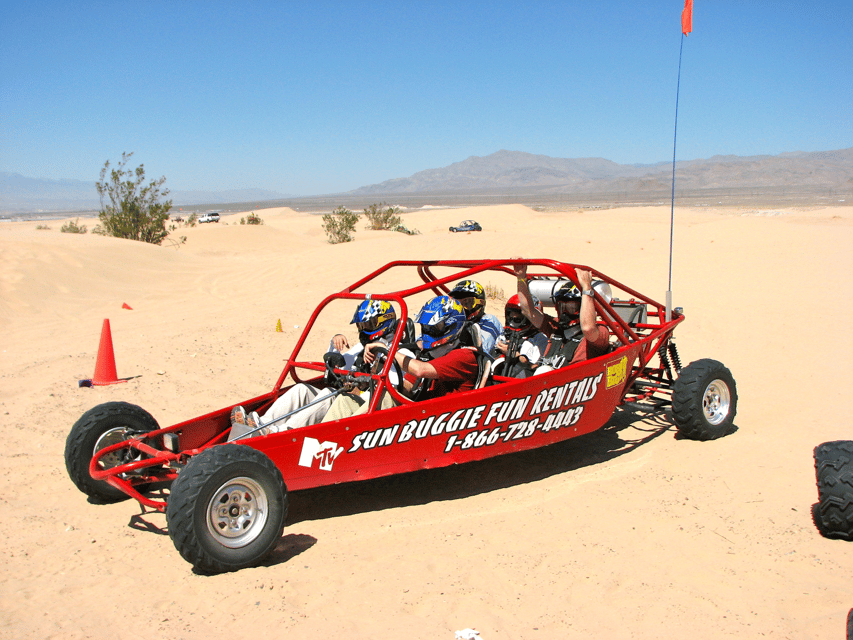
(704, 400)
(227, 508)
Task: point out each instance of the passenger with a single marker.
(574, 335)
(472, 297)
(443, 363)
(521, 343)
(376, 321)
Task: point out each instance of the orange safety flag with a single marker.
(687, 17)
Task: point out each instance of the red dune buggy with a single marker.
(227, 502)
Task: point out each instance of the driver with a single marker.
(444, 365)
(574, 335)
(376, 321)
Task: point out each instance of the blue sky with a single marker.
(307, 98)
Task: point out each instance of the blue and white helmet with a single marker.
(441, 320)
(375, 319)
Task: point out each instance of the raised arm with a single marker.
(587, 312)
(525, 300)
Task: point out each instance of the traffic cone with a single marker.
(126, 306)
(278, 326)
(105, 367)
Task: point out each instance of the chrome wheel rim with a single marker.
(716, 402)
(237, 512)
(121, 456)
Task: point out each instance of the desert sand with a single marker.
(627, 533)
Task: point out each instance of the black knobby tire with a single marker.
(227, 508)
(834, 471)
(704, 400)
(105, 424)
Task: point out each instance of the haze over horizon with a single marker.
(335, 96)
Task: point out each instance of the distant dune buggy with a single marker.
(467, 225)
(228, 501)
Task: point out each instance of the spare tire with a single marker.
(833, 514)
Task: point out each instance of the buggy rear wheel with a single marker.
(833, 514)
(227, 508)
(100, 427)
(704, 400)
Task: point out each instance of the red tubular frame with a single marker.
(640, 341)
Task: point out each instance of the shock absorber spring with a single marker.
(665, 361)
(673, 352)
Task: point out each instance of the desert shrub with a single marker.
(379, 217)
(252, 218)
(42, 227)
(73, 227)
(494, 292)
(133, 210)
(409, 232)
(191, 221)
(340, 225)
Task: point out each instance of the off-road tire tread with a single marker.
(834, 473)
(687, 396)
(184, 500)
(78, 446)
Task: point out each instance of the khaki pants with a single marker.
(347, 404)
(295, 397)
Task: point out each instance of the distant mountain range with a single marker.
(514, 173)
(19, 194)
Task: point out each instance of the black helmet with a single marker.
(567, 312)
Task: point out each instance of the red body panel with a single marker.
(461, 427)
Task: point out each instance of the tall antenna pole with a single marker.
(686, 27)
(672, 207)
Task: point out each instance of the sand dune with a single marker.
(628, 533)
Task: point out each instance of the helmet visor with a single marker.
(515, 319)
(568, 307)
(434, 330)
(369, 326)
(467, 303)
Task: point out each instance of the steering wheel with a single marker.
(333, 360)
(381, 356)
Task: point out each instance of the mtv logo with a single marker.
(325, 452)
